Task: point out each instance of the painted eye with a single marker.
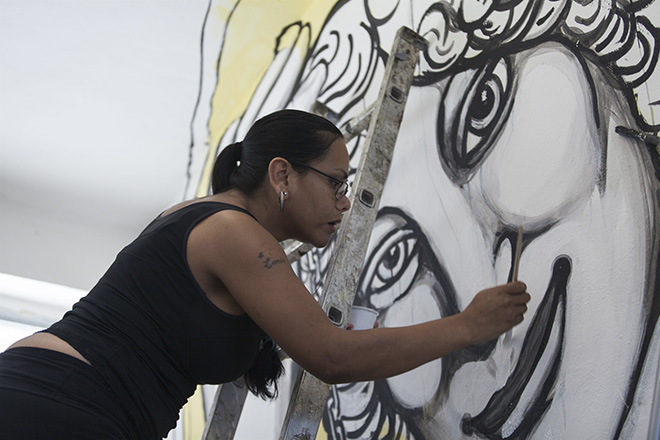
(392, 268)
(485, 106)
(402, 266)
(475, 106)
(394, 263)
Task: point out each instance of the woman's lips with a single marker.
(514, 397)
(334, 225)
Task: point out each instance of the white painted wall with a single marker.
(531, 97)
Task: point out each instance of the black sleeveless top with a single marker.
(151, 331)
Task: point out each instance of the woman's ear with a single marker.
(279, 171)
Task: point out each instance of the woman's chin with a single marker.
(320, 243)
(321, 240)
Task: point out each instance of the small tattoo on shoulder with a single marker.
(268, 262)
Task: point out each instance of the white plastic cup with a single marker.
(362, 318)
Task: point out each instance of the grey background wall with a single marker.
(97, 99)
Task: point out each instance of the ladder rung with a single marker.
(358, 124)
(295, 249)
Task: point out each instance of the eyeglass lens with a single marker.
(342, 190)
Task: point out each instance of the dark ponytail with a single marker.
(261, 378)
(292, 134)
(225, 165)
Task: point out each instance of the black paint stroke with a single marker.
(551, 312)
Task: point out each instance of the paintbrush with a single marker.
(514, 276)
(516, 259)
(644, 137)
(647, 138)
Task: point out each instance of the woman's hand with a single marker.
(494, 311)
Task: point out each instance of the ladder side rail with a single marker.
(308, 399)
(227, 407)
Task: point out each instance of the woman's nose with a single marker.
(344, 204)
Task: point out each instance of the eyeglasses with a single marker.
(341, 186)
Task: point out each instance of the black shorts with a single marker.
(45, 394)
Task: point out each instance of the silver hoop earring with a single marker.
(280, 203)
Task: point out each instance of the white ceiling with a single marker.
(96, 99)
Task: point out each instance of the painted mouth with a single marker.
(515, 409)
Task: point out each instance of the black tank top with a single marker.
(151, 331)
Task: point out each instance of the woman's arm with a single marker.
(255, 270)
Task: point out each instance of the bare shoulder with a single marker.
(236, 239)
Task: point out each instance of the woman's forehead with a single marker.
(336, 157)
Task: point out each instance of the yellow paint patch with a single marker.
(321, 434)
(193, 417)
(248, 51)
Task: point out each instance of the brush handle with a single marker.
(645, 137)
(516, 258)
(514, 276)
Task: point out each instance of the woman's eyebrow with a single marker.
(344, 173)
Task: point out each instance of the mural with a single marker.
(511, 122)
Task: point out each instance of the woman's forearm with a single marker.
(352, 356)
(385, 352)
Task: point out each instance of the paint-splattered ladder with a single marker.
(383, 121)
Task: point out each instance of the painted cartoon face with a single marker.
(519, 142)
(526, 138)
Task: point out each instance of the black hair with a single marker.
(295, 135)
(261, 377)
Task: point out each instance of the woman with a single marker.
(192, 299)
